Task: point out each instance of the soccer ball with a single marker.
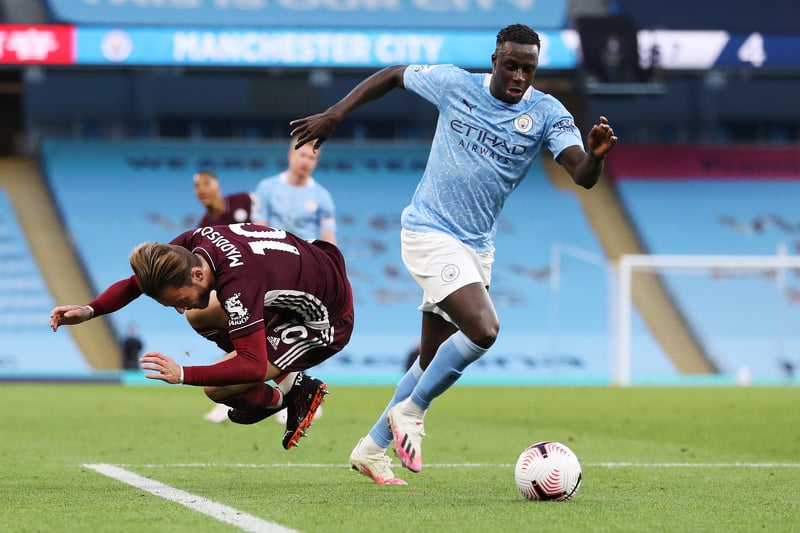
(547, 471)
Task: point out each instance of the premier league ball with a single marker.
(547, 471)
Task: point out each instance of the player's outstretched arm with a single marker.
(319, 128)
(115, 297)
(67, 315)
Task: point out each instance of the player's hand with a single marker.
(316, 128)
(166, 369)
(67, 315)
(602, 138)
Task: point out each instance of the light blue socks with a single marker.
(380, 432)
(452, 357)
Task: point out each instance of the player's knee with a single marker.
(214, 393)
(485, 335)
(486, 340)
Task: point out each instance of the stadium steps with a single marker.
(50, 245)
(617, 235)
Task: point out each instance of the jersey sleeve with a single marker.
(431, 82)
(116, 296)
(248, 366)
(327, 211)
(242, 298)
(561, 132)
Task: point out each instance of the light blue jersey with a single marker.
(304, 211)
(482, 150)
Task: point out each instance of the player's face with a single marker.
(513, 68)
(194, 296)
(206, 188)
(303, 161)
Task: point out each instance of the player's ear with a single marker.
(197, 274)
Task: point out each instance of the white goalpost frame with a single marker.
(558, 252)
(621, 365)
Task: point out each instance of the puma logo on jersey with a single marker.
(469, 106)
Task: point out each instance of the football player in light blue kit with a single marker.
(491, 127)
(294, 201)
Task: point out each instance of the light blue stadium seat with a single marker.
(27, 346)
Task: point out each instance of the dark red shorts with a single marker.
(292, 345)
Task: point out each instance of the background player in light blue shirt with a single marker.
(490, 129)
(294, 201)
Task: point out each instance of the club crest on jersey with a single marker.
(450, 272)
(310, 206)
(237, 313)
(523, 123)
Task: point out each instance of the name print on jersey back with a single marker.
(259, 268)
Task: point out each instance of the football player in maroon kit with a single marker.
(231, 209)
(286, 306)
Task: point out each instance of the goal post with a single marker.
(628, 265)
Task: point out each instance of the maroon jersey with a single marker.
(262, 270)
(238, 208)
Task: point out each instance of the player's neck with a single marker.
(217, 207)
(296, 180)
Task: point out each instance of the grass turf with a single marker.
(654, 459)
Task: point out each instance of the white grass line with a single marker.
(697, 465)
(223, 513)
(470, 465)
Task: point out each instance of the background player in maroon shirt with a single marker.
(231, 209)
(287, 306)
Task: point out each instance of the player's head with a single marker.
(206, 187)
(171, 275)
(303, 160)
(514, 62)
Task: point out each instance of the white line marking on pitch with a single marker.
(223, 513)
(472, 465)
(697, 465)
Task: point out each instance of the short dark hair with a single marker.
(206, 172)
(518, 33)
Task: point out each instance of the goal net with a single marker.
(734, 317)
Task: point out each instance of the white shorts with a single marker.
(441, 265)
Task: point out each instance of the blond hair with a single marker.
(158, 266)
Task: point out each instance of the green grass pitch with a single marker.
(654, 459)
